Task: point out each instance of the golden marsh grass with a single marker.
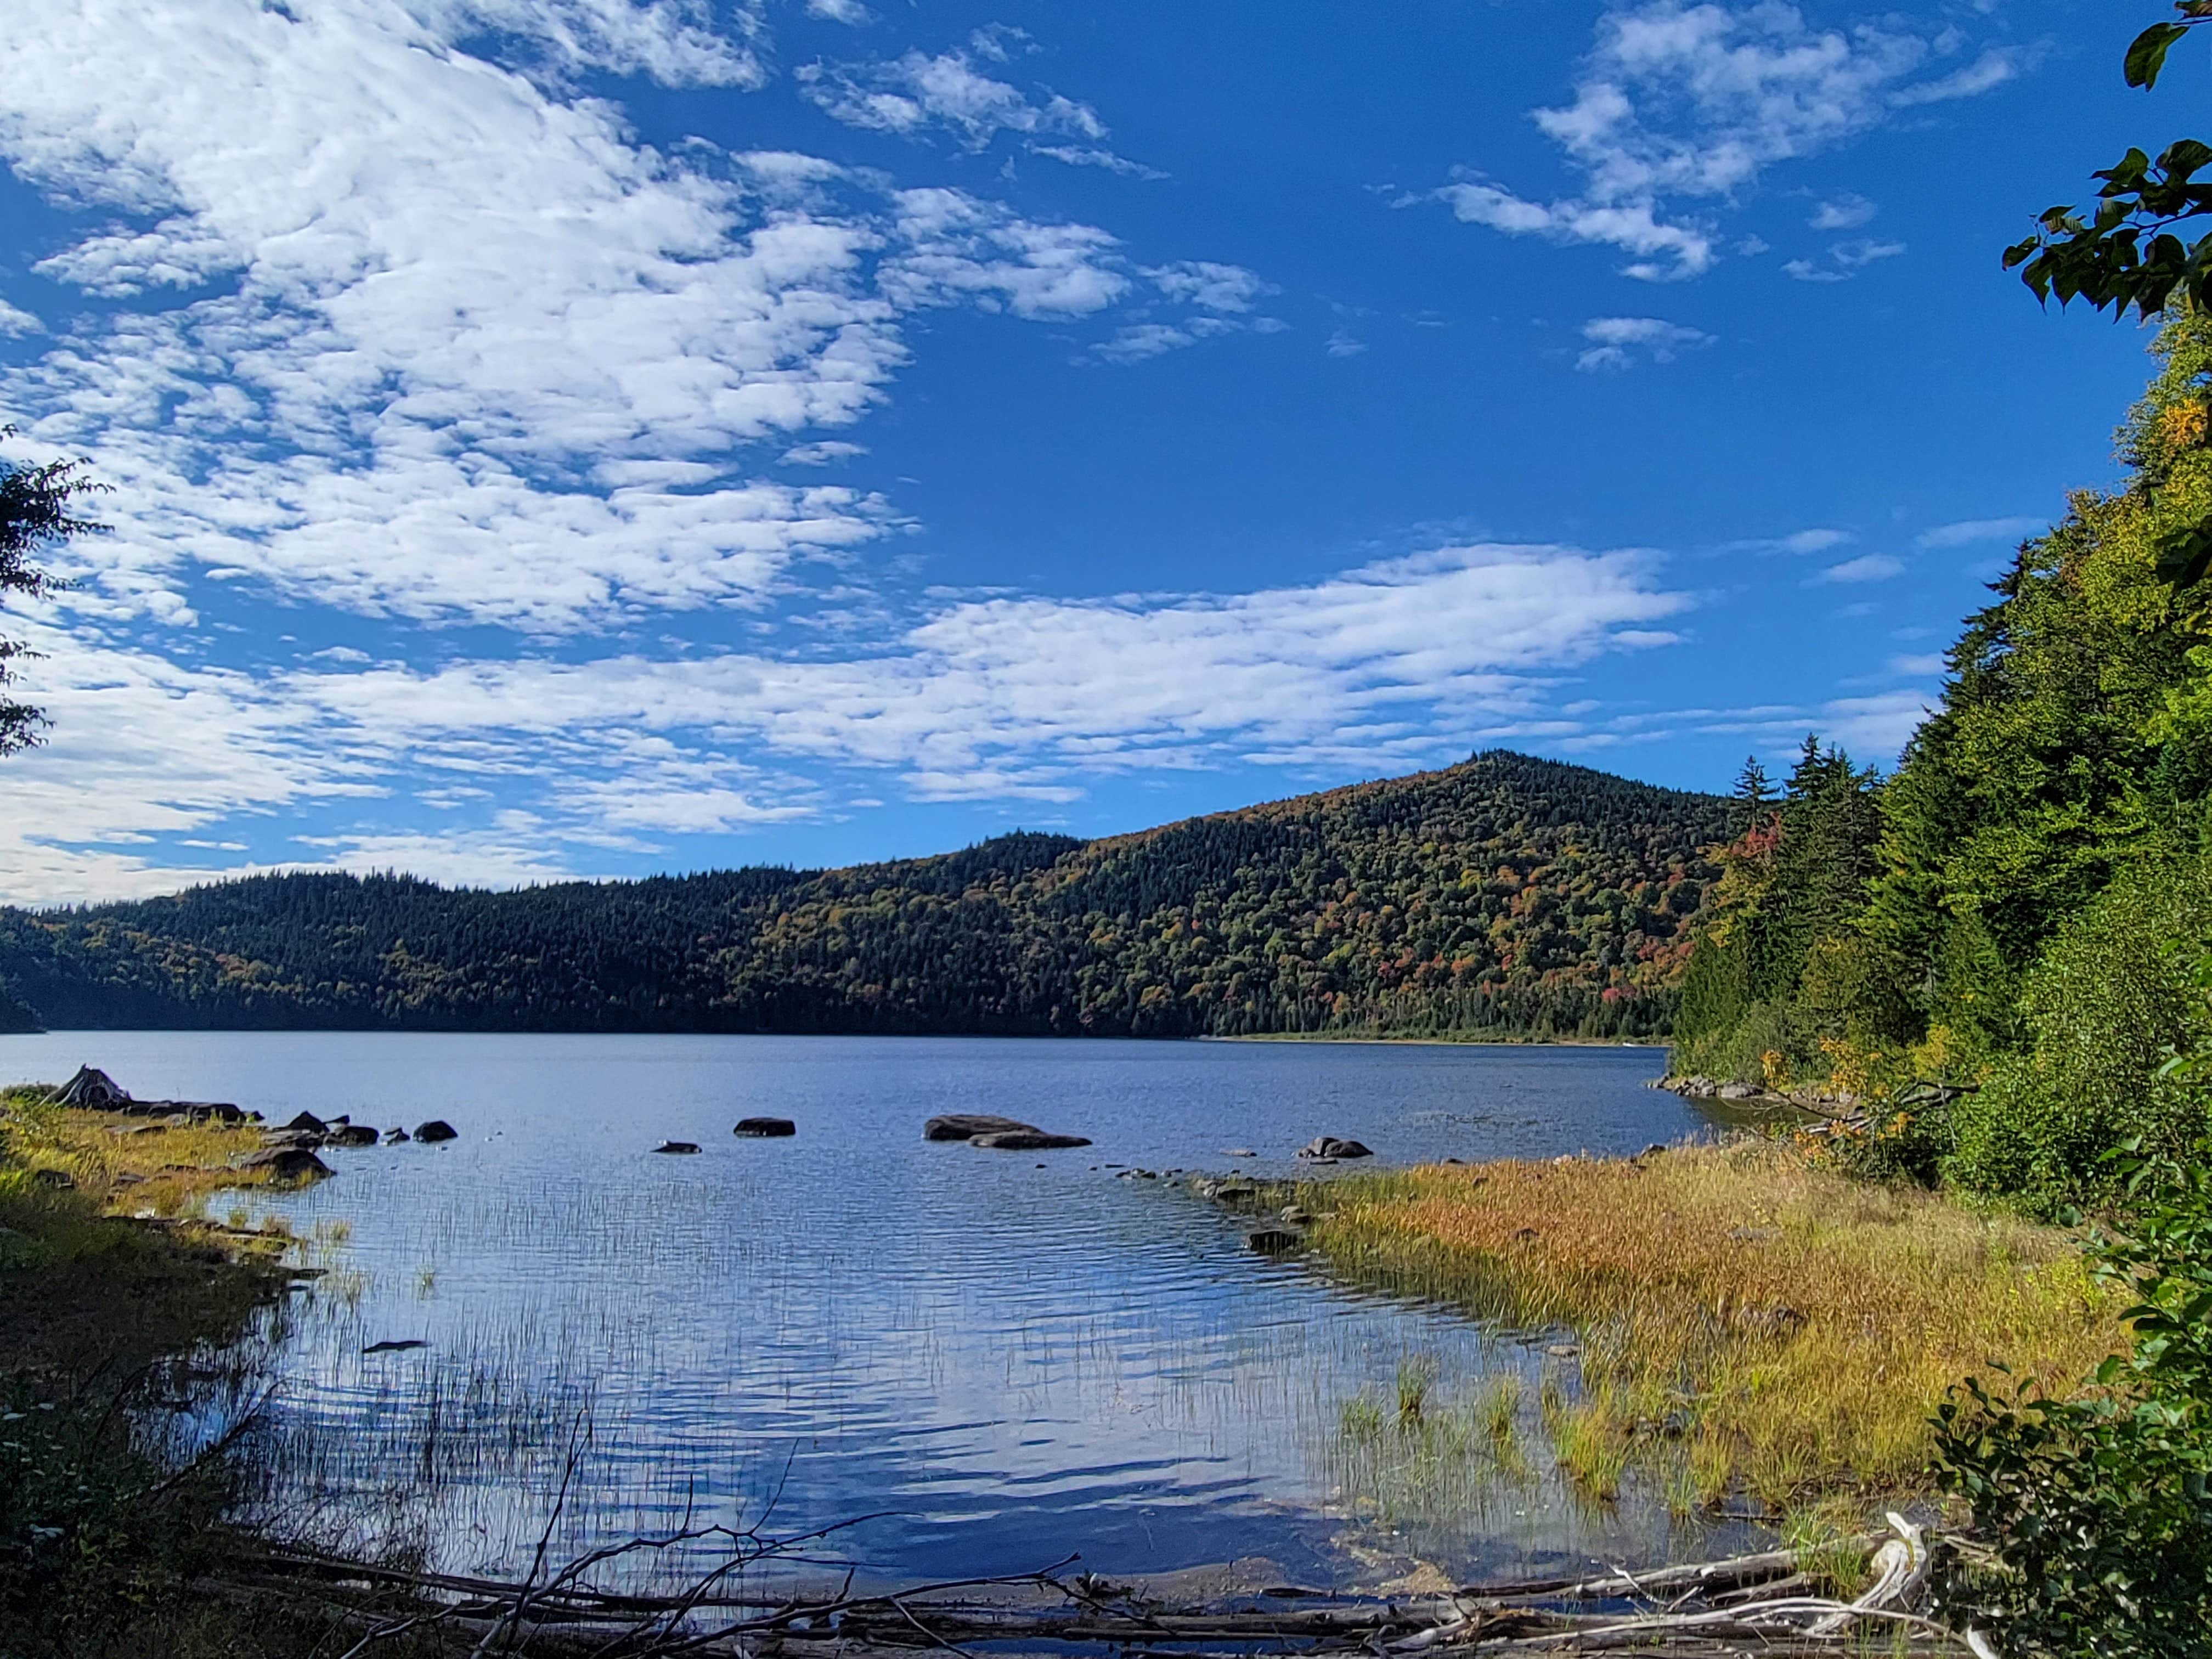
(1747, 1324)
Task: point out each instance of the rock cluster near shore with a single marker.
(1698, 1087)
(998, 1134)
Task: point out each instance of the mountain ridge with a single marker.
(1505, 895)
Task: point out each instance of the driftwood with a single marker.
(1758, 1601)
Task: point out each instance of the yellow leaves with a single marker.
(2184, 425)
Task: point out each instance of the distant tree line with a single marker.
(1505, 897)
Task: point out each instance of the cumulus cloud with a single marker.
(519, 391)
(909, 95)
(1614, 341)
(851, 13)
(1682, 106)
(15, 322)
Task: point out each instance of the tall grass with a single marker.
(1748, 1324)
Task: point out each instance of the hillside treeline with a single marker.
(2023, 911)
(1506, 897)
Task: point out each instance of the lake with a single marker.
(999, 1359)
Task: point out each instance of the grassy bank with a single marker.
(119, 1313)
(1749, 1325)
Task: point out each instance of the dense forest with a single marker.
(1505, 897)
(2021, 915)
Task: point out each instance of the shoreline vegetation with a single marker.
(1746, 1325)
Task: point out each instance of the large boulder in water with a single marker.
(308, 1123)
(436, 1130)
(1333, 1146)
(353, 1134)
(1026, 1141)
(289, 1163)
(765, 1127)
(966, 1125)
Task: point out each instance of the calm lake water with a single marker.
(1001, 1359)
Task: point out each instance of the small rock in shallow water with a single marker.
(677, 1147)
(1240, 1152)
(436, 1130)
(765, 1129)
(1275, 1240)
(399, 1346)
(393, 1137)
(353, 1134)
(1329, 1148)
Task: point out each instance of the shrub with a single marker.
(2098, 1505)
(2108, 1003)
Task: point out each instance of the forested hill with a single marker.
(1505, 894)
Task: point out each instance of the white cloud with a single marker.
(1805, 270)
(1090, 155)
(1006, 698)
(1690, 104)
(1919, 667)
(1863, 251)
(518, 391)
(1817, 540)
(822, 454)
(1845, 212)
(1208, 285)
(1967, 532)
(1871, 567)
(909, 95)
(1343, 345)
(15, 322)
(1615, 340)
(850, 13)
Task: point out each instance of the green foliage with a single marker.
(2004, 909)
(1775, 967)
(35, 515)
(2098, 1504)
(2124, 253)
(2108, 1003)
(1505, 897)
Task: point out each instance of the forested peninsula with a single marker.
(2007, 944)
(1504, 897)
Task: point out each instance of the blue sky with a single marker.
(581, 437)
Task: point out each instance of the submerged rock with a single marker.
(1026, 1141)
(393, 1137)
(401, 1345)
(1275, 1240)
(1332, 1147)
(765, 1127)
(436, 1129)
(966, 1125)
(678, 1146)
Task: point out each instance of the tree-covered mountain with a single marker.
(1505, 895)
